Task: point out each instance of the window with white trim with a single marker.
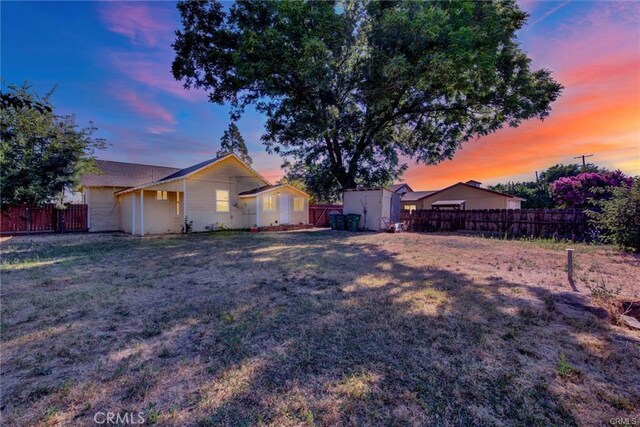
(410, 207)
(222, 201)
(298, 204)
(269, 203)
(177, 203)
(161, 195)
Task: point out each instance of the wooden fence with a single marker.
(319, 214)
(43, 219)
(561, 223)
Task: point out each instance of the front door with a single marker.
(285, 214)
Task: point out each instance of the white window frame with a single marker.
(177, 203)
(223, 201)
(411, 207)
(298, 204)
(162, 195)
(269, 203)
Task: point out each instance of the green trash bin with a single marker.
(340, 222)
(353, 222)
(333, 219)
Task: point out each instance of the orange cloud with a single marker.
(597, 59)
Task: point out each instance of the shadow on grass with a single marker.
(297, 328)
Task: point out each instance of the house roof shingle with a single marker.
(395, 187)
(120, 174)
(414, 196)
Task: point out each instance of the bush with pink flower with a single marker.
(577, 191)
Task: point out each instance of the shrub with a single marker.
(618, 218)
(580, 190)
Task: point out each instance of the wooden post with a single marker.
(570, 264)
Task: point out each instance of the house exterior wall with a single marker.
(376, 202)
(104, 209)
(474, 198)
(267, 218)
(126, 205)
(201, 188)
(160, 215)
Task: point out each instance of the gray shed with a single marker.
(378, 207)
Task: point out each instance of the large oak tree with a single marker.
(352, 88)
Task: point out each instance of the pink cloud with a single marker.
(137, 21)
(143, 107)
(153, 71)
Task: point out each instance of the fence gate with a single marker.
(319, 214)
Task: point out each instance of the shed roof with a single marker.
(121, 174)
(266, 188)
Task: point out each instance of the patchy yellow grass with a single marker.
(313, 328)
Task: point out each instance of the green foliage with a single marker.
(233, 142)
(187, 225)
(538, 194)
(42, 154)
(618, 218)
(350, 88)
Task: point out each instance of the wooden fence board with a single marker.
(562, 223)
(42, 219)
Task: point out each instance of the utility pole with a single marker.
(584, 163)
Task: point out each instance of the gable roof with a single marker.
(267, 188)
(397, 186)
(414, 196)
(497, 193)
(186, 172)
(120, 174)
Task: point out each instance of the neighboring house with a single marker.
(224, 191)
(400, 188)
(463, 195)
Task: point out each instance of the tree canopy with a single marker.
(351, 89)
(537, 194)
(233, 142)
(41, 154)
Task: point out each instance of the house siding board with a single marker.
(160, 215)
(104, 209)
(228, 175)
(126, 204)
(474, 198)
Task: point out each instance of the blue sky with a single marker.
(111, 64)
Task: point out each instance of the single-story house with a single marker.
(220, 192)
(463, 195)
(378, 207)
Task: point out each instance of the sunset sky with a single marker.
(111, 64)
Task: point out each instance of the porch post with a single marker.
(133, 214)
(184, 198)
(142, 212)
(257, 210)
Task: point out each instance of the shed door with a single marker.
(373, 213)
(395, 208)
(285, 215)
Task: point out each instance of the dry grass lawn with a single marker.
(312, 328)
